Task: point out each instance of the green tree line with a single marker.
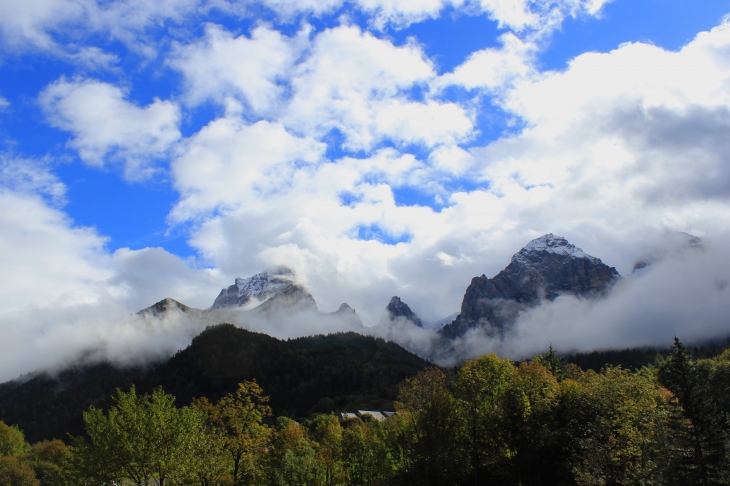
(490, 421)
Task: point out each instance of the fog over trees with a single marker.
(491, 421)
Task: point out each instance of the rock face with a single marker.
(274, 296)
(162, 307)
(543, 270)
(253, 291)
(347, 314)
(398, 308)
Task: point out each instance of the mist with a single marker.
(684, 292)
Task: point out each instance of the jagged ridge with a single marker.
(544, 269)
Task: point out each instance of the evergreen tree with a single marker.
(698, 442)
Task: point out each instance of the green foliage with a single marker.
(142, 439)
(293, 457)
(480, 388)
(49, 461)
(541, 422)
(626, 440)
(326, 433)
(432, 417)
(365, 454)
(12, 440)
(700, 430)
(51, 407)
(305, 376)
(14, 472)
(236, 427)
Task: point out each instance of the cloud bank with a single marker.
(334, 150)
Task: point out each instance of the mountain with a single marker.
(343, 371)
(162, 307)
(441, 322)
(397, 308)
(251, 292)
(273, 298)
(544, 269)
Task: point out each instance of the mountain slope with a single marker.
(253, 291)
(397, 308)
(302, 376)
(543, 270)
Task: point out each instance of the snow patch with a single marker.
(550, 243)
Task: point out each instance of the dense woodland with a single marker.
(315, 374)
(491, 421)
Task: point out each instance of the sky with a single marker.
(375, 147)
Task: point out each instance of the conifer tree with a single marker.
(698, 442)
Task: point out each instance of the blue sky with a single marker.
(375, 147)
(133, 214)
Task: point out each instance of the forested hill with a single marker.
(636, 358)
(302, 376)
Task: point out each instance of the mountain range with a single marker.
(316, 373)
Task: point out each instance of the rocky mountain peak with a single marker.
(549, 244)
(398, 308)
(162, 307)
(345, 309)
(544, 269)
(250, 292)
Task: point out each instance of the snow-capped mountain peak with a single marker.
(551, 244)
(252, 291)
(261, 283)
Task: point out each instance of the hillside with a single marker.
(302, 376)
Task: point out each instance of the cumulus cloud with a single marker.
(230, 162)
(45, 24)
(537, 15)
(222, 65)
(63, 292)
(592, 165)
(106, 126)
(31, 177)
(344, 157)
(494, 69)
(32, 22)
(357, 84)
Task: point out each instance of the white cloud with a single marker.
(32, 21)
(25, 176)
(107, 126)
(55, 25)
(615, 149)
(63, 293)
(229, 163)
(356, 83)
(46, 24)
(494, 70)
(603, 161)
(222, 65)
(539, 15)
